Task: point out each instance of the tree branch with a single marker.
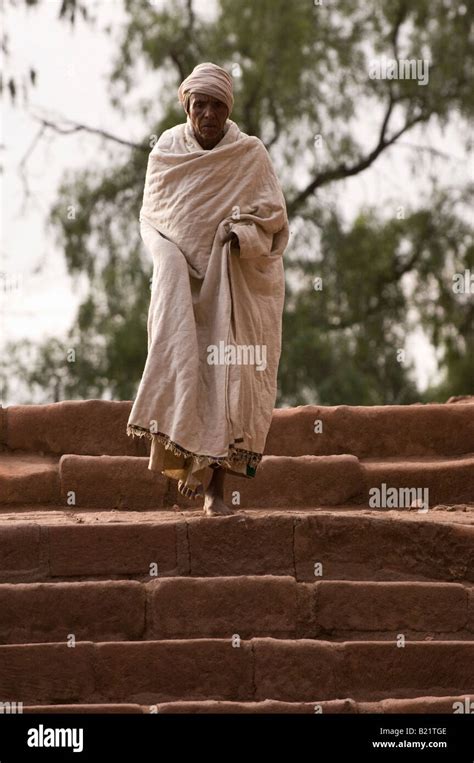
(191, 16)
(276, 120)
(344, 171)
(75, 127)
(402, 12)
(179, 65)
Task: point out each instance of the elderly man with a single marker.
(214, 222)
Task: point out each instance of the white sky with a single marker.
(72, 65)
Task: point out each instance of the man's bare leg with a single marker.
(214, 495)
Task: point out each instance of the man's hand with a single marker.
(232, 237)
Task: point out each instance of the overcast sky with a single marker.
(73, 64)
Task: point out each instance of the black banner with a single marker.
(136, 737)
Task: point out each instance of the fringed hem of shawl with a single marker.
(236, 455)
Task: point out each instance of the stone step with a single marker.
(29, 478)
(249, 606)
(374, 431)
(439, 480)
(331, 545)
(423, 705)
(213, 669)
(97, 427)
(42, 612)
(125, 482)
(86, 709)
(89, 427)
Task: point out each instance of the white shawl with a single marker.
(206, 293)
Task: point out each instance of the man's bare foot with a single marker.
(190, 492)
(214, 505)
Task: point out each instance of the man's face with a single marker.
(208, 116)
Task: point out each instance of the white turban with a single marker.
(210, 79)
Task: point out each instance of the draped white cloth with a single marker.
(214, 324)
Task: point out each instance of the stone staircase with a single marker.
(117, 595)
